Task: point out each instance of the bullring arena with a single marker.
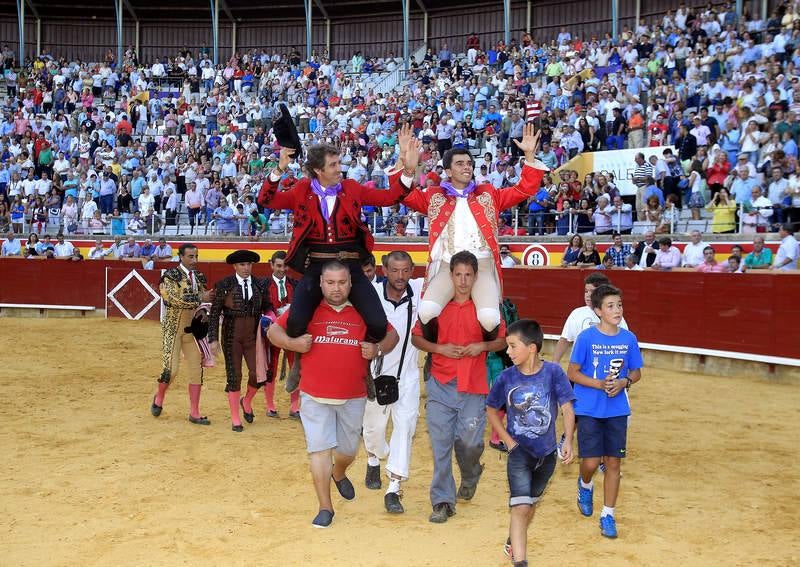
(92, 478)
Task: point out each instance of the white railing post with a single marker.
(516, 220)
(569, 230)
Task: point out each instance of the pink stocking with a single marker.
(294, 398)
(248, 399)
(269, 395)
(194, 400)
(233, 401)
(162, 391)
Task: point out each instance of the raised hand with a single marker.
(285, 158)
(411, 156)
(404, 137)
(530, 142)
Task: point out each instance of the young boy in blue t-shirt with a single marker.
(531, 392)
(605, 361)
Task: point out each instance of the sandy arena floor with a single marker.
(92, 479)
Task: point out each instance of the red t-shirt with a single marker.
(334, 367)
(458, 325)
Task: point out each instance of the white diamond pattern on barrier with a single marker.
(133, 275)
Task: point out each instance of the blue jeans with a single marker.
(615, 142)
(106, 204)
(456, 422)
(535, 222)
(528, 476)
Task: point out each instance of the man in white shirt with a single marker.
(507, 259)
(788, 251)
(582, 317)
(399, 295)
(163, 250)
(693, 252)
(98, 252)
(63, 249)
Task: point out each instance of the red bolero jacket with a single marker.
(345, 225)
(486, 204)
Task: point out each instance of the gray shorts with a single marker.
(329, 426)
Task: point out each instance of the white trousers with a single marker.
(404, 413)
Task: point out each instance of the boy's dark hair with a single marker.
(279, 255)
(369, 260)
(607, 258)
(597, 279)
(528, 331)
(447, 159)
(184, 247)
(599, 294)
(464, 257)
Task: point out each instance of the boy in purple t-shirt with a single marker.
(531, 392)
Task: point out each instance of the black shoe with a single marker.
(248, 417)
(272, 413)
(441, 512)
(323, 519)
(345, 488)
(373, 478)
(199, 420)
(489, 336)
(467, 492)
(154, 409)
(430, 330)
(392, 502)
(293, 414)
(500, 446)
(237, 428)
(293, 377)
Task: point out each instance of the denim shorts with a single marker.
(528, 476)
(602, 437)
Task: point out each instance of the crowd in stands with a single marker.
(107, 148)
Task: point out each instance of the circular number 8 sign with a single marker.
(536, 255)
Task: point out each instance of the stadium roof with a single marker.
(232, 10)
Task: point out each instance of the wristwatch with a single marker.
(630, 383)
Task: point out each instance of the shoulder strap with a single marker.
(405, 340)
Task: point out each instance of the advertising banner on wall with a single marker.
(620, 163)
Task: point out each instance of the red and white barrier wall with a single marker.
(748, 316)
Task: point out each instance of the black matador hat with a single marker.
(242, 256)
(286, 132)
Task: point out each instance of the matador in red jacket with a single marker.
(463, 215)
(328, 226)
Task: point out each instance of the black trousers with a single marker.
(308, 294)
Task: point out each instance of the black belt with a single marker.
(341, 256)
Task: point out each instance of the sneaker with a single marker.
(272, 413)
(373, 478)
(392, 502)
(560, 445)
(345, 488)
(608, 526)
(441, 512)
(500, 446)
(323, 519)
(507, 548)
(294, 415)
(585, 497)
